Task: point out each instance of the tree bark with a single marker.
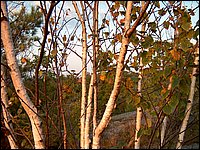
(139, 109)
(27, 104)
(190, 101)
(84, 71)
(5, 109)
(95, 53)
(88, 114)
(120, 65)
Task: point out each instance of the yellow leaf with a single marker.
(64, 38)
(175, 54)
(40, 73)
(149, 122)
(49, 40)
(116, 57)
(102, 77)
(119, 37)
(163, 91)
(54, 52)
(23, 60)
(107, 22)
(136, 100)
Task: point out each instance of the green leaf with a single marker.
(149, 39)
(147, 131)
(152, 26)
(167, 109)
(136, 100)
(176, 13)
(166, 24)
(190, 34)
(186, 26)
(161, 12)
(135, 40)
(157, 4)
(144, 54)
(184, 87)
(185, 44)
(165, 95)
(174, 102)
(175, 81)
(166, 72)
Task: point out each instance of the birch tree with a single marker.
(120, 66)
(27, 104)
(84, 71)
(5, 108)
(190, 101)
(139, 109)
(164, 124)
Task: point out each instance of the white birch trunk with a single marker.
(190, 102)
(163, 129)
(139, 109)
(27, 104)
(6, 114)
(84, 71)
(111, 102)
(96, 49)
(164, 123)
(88, 114)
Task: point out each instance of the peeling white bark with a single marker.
(88, 114)
(27, 104)
(111, 102)
(190, 102)
(139, 109)
(84, 71)
(5, 109)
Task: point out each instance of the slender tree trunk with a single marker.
(27, 104)
(190, 101)
(95, 53)
(84, 71)
(88, 113)
(120, 65)
(5, 109)
(139, 109)
(164, 124)
(163, 129)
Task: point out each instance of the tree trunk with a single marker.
(6, 114)
(27, 104)
(139, 109)
(120, 65)
(84, 71)
(95, 53)
(190, 101)
(88, 114)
